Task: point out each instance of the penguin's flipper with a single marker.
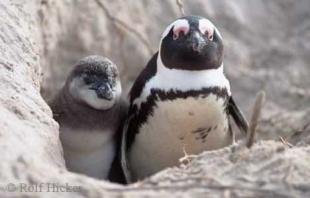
(130, 126)
(116, 172)
(237, 115)
(124, 159)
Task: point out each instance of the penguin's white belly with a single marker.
(89, 153)
(192, 125)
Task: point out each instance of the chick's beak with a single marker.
(103, 90)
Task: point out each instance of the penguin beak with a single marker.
(103, 90)
(197, 42)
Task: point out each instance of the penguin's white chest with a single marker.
(88, 152)
(193, 124)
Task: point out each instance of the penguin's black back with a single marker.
(147, 73)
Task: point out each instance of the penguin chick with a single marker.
(88, 110)
(180, 102)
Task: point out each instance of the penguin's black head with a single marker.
(191, 43)
(95, 81)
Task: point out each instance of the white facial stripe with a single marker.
(176, 24)
(206, 25)
(184, 80)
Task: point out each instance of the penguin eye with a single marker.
(180, 31)
(178, 35)
(209, 35)
(88, 80)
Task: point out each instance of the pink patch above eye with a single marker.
(180, 30)
(207, 28)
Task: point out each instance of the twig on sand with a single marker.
(284, 141)
(260, 98)
(117, 22)
(181, 7)
(186, 159)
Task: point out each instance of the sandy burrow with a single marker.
(31, 155)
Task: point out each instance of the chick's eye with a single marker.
(88, 80)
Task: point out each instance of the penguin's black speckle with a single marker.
(202, 133)
(204, 136)
(199, 130)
